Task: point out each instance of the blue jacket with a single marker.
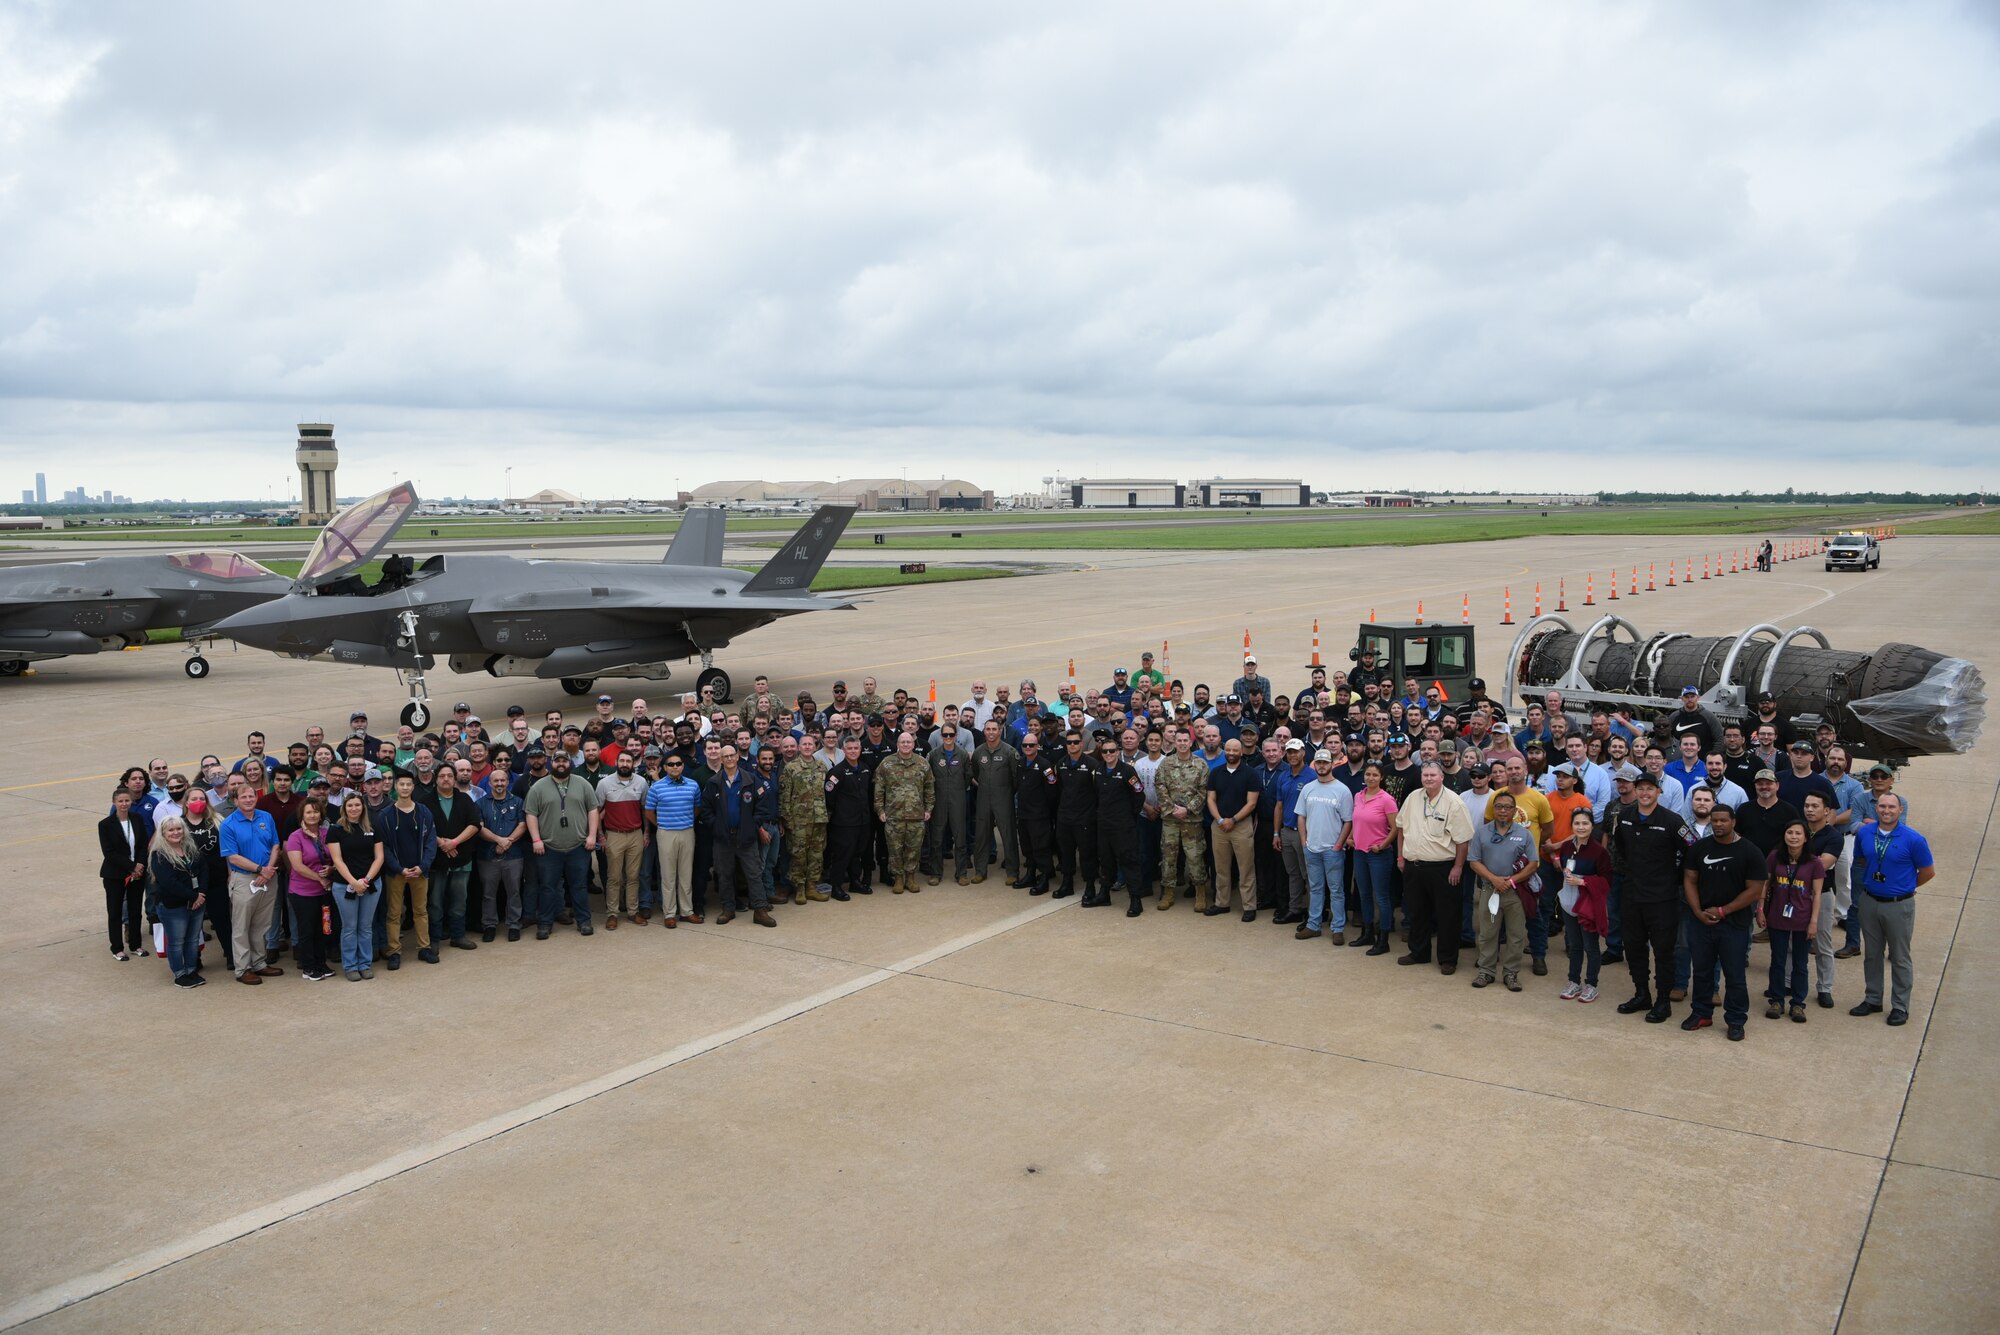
(404, 834)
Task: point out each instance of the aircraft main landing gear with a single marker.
(578, 685)
(711, 675)
(196, 667)
(12, 667)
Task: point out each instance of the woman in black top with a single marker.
(355, 850)
(121, 838)
(204, 834)
(178, 873)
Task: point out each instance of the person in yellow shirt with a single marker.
(1532, 810)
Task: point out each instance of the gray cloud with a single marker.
(1012, 241)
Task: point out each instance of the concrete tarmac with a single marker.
(975, 1110)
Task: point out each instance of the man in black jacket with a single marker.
(1650, 851)
(1076, 817)
(1119, 795)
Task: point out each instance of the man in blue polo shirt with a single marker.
(249, 844)
(1890, 861)
(673, 800)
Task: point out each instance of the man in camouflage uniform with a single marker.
(802, 813)
(904, 797)
(868, 702)
(1182, 787)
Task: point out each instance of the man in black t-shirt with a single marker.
(1824, 841)
(1723, 882)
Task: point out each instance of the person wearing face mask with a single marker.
(204, 834)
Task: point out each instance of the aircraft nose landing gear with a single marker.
(417, 713)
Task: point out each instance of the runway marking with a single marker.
(84, 1287)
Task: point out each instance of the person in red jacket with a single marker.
(1581, 869)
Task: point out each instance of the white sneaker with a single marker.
(1589, 993)
(1569, 993)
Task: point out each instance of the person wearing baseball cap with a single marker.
(1119, 692)
(1242, 686)
(1149, 676)
(1691, 717)
(1325, 808)
(1801, 777)
(1650, 849)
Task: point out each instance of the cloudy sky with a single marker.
(1481, 245)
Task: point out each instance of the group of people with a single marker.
(1671, 845)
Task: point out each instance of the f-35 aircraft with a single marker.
(510, 616)
(87, 607)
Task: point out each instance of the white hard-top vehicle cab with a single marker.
(1853, 551)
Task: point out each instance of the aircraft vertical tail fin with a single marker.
(698, 541)
(793, 568)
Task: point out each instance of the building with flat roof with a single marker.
(1126, 493)
(864, 493)
(1253, 492)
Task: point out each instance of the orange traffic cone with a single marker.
(1649, 577)
(1507, 607)
(1562, 593)
(1465, 609)
(1614, 588)
(1590, 590)
(1420, 611)
(1538, 598)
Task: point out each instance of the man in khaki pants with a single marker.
(1232, 806)
(622, 797)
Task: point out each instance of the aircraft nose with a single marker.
(257, 627)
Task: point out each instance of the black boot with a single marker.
(1068, 888)
(1136, 907)
(1039, 886)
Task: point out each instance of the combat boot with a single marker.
(934, 876)
(1137, 906)
(1039, 886)
(816, 893)
(799, 895)
(900, 884)
(915, 887)
(1201, 897)
(1166, 897)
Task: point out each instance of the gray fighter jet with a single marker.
(88, 607)
(509, 616)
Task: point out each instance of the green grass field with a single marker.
(1973, 521)
(1405, 530)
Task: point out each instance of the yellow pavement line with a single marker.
(86, 778)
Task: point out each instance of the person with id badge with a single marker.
(1790, 913)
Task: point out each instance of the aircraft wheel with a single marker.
(578, 685)
(12, 667)
(416, 715)
(196, 667)
(717, 678)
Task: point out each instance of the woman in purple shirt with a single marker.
(312, 871)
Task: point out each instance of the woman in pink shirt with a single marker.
(1372, 836)
(312, 872)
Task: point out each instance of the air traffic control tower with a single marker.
(317, 458)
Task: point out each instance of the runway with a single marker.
(973, 1110)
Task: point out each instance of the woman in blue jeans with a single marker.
(1372, 836)
(178, 894)
(355, 849)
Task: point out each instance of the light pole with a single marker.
(510, 489)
